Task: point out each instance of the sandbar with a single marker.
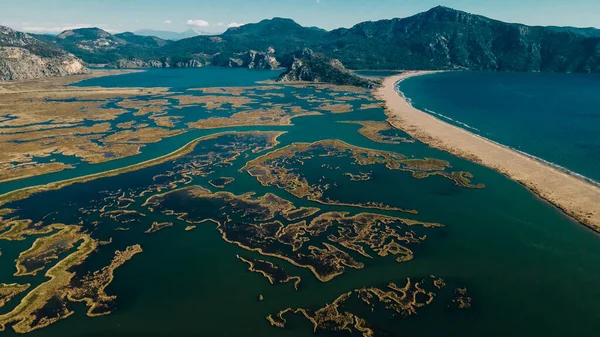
(574, 196)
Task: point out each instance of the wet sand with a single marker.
(576, 197)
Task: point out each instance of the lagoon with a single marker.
(527, 267)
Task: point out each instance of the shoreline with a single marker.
(25, 192)
(576, 197)
(67, 80)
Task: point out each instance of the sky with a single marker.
(214, 16)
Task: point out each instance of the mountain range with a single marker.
(441, 38)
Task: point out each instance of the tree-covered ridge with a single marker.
(441, 38)
(444, 38)
(96, 46)
(306, 65)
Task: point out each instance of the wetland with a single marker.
(177, 202)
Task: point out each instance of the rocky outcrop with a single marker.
(306, 65)
(197, 62)
(10, 37)
(23, 57)
(20, 64)
(191, 63)
(90, 40)
(250, 59)
(255, 60)
(136, 63)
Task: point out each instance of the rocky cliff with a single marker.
(249, 59)
(306, 65)
(255, 60)
(165, 63)
(23, 57)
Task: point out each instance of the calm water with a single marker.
(555, 117)
(183, 78)
(530, 270)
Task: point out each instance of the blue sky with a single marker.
(53, 16)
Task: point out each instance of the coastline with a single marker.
(60, 82)
(576, 197)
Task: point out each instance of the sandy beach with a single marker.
(576, 197)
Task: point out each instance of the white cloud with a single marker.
(197, 23)
(220, 24)
(58, 29)
(167, 22)
(235, 24)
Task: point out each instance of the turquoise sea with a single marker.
(529, 269)
(555, 117)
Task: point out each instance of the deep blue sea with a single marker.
(555, 117)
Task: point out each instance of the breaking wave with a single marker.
(468, 127)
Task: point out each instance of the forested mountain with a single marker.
(444, 38)
(587, 32)
(96, 46)
(441, 38)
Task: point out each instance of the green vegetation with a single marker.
(96, 46)
(306, 65)
(441, 38)
(12, 38)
